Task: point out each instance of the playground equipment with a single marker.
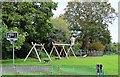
(34, 47)
(54, 47)
(12, 36)
(63, 49)
(70, 48)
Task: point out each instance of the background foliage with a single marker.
(89, 20)
(30, 19)
(34, 22)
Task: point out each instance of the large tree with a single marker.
(60, 33)
(31, 18)
(91, 20)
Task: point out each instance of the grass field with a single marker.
(73, 66)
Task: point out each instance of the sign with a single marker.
(12, 36)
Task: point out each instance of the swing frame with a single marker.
(37, 54)
(63, 49)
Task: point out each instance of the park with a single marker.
(78, 42)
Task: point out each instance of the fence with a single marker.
(49, 70)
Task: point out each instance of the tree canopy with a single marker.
(90, 21)
(30, 19)
(60, 33)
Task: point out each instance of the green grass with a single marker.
(73, 66)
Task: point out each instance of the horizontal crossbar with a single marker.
(62, 44)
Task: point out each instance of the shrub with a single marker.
(98, 46)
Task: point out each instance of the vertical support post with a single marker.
(65, 52)
(57, 53)
(73, 51)
(51, 50)
(68, 51)
(13, 53)
(29, 52)
(37, 53)
(61, 51)
(70, 48)
(45, 51)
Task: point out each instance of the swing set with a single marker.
(34, 45)
(37, 54)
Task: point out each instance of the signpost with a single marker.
(12, 36)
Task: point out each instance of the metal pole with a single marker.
(13, 52)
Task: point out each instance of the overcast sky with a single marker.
(112, 27)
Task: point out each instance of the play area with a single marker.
(53, 48)
(59, 65)
(59, 38)
(70, 64)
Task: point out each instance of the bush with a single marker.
(98, 46)
(111, 49)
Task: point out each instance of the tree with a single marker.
(6, 47)
(60, 33)
(32, 18)
(91, 20)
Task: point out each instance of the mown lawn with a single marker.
(73, 66)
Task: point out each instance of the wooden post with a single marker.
(46, 52)
(55, 50)
(68, 51)
(73, 51)
(65, 52)
(37, 54)
(51, 50)
(61, 51)
(70, 48)
(29, 52)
